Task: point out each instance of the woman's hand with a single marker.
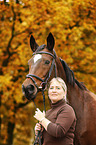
(39, 115)
(37, 128)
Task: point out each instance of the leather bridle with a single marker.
(45, 80)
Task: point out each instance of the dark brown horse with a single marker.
(43, 66)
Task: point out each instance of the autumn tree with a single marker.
(73, 24)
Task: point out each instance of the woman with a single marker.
(60, 121)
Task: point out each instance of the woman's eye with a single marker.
(51, 88)
(58, 88)
(47, 62)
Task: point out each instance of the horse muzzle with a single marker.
(29, 91)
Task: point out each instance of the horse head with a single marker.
(42, 67)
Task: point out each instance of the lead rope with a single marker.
(38, 135)
(43, 100)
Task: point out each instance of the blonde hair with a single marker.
(62, 83)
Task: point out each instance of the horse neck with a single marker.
(73, 91)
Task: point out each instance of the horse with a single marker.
(43, 66)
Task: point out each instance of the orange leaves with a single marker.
(5, 81)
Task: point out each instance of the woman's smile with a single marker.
(54, 94)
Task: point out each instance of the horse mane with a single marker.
(70, 76)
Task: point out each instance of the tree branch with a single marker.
(21, 105)
(5, 62)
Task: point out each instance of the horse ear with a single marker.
(33, 43)
(50, 41)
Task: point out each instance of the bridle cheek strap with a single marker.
(53, 65)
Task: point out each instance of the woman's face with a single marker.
(55, 91)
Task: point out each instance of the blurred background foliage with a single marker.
(73, 24)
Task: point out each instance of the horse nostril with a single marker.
(28, 91)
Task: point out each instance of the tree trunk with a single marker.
(10, 131)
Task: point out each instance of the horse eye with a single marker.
(47, 62)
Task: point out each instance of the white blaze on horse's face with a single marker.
(37, 57)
